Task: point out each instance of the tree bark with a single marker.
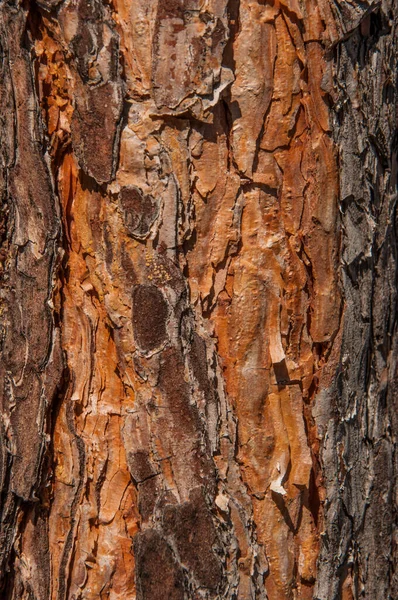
(198, 299)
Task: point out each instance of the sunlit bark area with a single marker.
(198, 299)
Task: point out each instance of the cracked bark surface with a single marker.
(198, 299)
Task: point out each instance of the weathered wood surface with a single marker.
(198, 299)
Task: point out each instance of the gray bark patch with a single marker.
(139, 210)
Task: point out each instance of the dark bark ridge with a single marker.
(359, 454)
(31, 362)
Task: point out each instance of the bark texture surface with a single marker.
(198, 299)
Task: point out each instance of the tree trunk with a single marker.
(198, 298)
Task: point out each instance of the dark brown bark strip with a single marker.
(359, 551)
(31, 363)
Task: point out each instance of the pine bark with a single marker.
(198, 299)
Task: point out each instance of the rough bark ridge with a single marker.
(186, 383)
(358, 415)
(31, 363)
